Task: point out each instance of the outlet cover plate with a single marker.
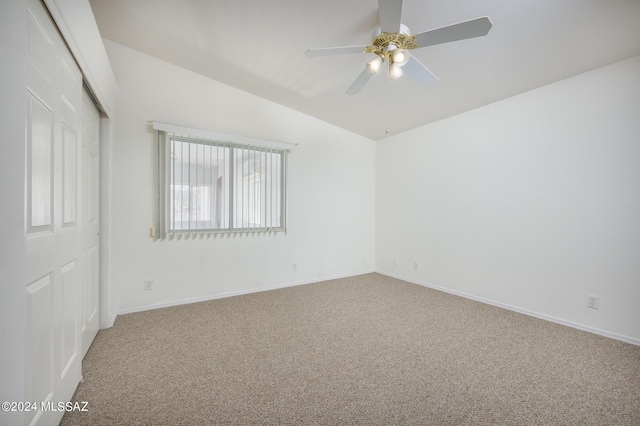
(593, 301)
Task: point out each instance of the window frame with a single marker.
(164, 228)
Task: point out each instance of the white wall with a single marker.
(532, 202)
(331, 191)
(13, 67)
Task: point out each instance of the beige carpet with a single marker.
(366, 350)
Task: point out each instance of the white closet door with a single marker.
(90, 228)
(53, 218)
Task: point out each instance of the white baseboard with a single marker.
(108, 322)
(112, 320)
(582, 327)
(231, 294)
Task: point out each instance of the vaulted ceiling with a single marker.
(258, 46)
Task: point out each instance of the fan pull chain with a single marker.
(387, 100)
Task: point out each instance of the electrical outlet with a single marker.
(395, 260)
(148, 285)
(415, 265)
(593, 301)
(294, 267)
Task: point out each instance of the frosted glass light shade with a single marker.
(374, 65)
(395, 71)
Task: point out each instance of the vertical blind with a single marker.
(213, 185)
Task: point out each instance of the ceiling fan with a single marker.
(392, 41)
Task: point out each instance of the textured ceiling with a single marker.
(258, 46)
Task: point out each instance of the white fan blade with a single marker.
(468, 29)
(327, 51)
(360, 82)
(419, 72)
(390, 12)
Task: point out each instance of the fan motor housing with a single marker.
(384, 42)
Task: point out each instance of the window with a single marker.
(208, 186)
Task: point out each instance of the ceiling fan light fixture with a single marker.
(395, 71)
(400, 57)
(374, 65)
(392, 41)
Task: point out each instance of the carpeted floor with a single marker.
(366, 350)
